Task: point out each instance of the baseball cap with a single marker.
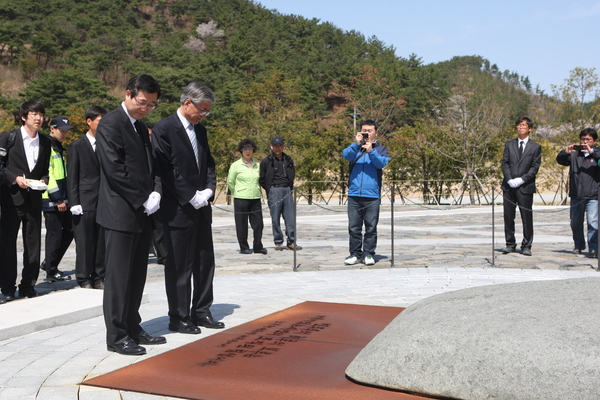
(277, 140)
(60, 123)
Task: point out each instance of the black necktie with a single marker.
(138, 128)
(521, 149)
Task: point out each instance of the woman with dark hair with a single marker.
(243, 183)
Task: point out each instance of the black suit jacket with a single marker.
(83, 174)
(525, 168)
(127, 174)
(180, 174)
(16, 165)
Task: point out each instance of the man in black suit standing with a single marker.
(83, 184)
(189, 181)
(128, 196)
(520, 164)
(28, 158)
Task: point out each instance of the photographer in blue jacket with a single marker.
(367, 158)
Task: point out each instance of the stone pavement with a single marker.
(51, 343)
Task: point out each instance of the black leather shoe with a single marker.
(507, 250)
(261, 251)
(209, 322)
(86, 286)
(146, 338)
(127, 348)
(57, 277)
(99, 285)
(2, 300)
(185, 327)
(29, 293)
(9, 297)
(246, 251)
(526, 252)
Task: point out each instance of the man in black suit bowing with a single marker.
(83, 184)
(520, 164)
(28, 158)
(189, 181)
(129, 194)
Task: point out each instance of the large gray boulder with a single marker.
(533, 340)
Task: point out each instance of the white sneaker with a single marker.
(351, 260)
(369, 260)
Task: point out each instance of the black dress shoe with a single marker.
(507, 250)
(29, 293)
(209, 322)
(57, 277)
(526, 252)
(261, 251)
(127, 348)
(9, 297)
(246, 251)
(99, 285)
(86, 286)
(2, 300)
(146, 338)
(184, 327)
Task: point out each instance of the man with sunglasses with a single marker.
(129, 194)
(189, 181)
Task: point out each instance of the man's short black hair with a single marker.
(30, 106)
(370, 122)
(94, 112)
(526, 119)
(589, 131)
(144, 83)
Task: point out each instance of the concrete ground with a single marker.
(51, 343)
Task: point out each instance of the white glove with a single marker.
(206, 193)
(198, 200)
(518, 182)
(152, 204)
(77, 210)
(511, 183)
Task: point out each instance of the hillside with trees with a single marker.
(273, 74)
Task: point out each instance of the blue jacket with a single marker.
(366, 170)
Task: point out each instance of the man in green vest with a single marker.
(58, 219)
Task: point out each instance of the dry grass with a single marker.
(12, 81)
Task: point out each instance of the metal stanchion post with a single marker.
(392, 208)
(598, 266)
(493, 225)
(296, 266)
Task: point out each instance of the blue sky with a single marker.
(543, 40)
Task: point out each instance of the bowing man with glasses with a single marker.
(129, 194)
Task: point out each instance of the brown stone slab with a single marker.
(298, 353)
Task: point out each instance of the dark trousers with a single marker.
(363, 211)
(281, 203)
(90, 247)
(248, 209)
(512, 198)
(158, 241)
(59, 235)
(10, 221)
(190, 258)
(126, 268)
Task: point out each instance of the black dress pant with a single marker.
(10, 221)
(248, 209)
(59, 235)
(126, 268)
(90, 246)
(512, 198)
(190, 258)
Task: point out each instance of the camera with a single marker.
(365, 136)
(578, 147)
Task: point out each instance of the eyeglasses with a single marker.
(151, 106)
(36, 115)
(204, 113)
